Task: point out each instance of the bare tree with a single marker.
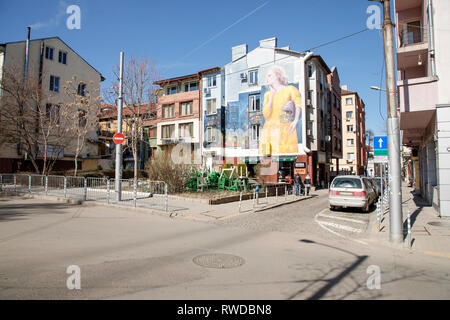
(29, 120)
(138, 97)
(84, 104)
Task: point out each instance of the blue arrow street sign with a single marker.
(380, 143)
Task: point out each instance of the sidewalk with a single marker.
(200, 211)
(430, 234)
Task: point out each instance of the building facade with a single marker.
(54, 63)
(424, 100)
(335, 143)
(178, 131)
(354, 153)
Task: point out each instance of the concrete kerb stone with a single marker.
(284, 203)
(41, 197)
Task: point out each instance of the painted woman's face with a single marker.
(272, 78)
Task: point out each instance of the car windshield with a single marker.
(347, 183)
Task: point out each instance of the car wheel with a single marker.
(332, 208)
(366, 208)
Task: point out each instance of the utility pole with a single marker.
(118, 176)
(393, 131)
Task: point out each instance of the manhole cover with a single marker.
(440, 224)
(219, 261)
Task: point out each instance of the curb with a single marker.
(284, 203)
(42, 197)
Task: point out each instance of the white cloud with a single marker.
(55, 20)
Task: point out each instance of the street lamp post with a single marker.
(393, 129)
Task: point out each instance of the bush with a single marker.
(161, 168)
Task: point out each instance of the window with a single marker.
(349, 101)
(62, 57)
(192, 86)
(254, 102)
(350, 142)
(152, 133)
(211, 106)
(211, 134)
(309, 95)
(168, 111)
(253, 77)
(412, 33)
(186, 130)
(171, 90)
(186, 108)
(338, 124)
(49, 53)
(345, 182)
(255, 132)
(167, 131)
(54, 84)
(310, 70)
(81, 89)
(350, 157)
(350, 128)
(82, 118)
(52, 113)
(349, 115)
(212, 81)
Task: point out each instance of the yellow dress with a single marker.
(275, 137)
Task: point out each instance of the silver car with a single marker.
(351, 191)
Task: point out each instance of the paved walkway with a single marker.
(430, 234)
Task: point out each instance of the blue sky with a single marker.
(183, 37)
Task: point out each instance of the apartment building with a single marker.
(213, 117)
(107, 127)
(54, 63)
(354, 151)
(335, 142)
(179, 116)
(423, 61)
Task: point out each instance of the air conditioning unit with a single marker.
(309, 132)
(207, 91)
(308, 102)
(243, 76)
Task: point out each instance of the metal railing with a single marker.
(142, 193)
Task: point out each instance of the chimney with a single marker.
(238, 52)
(268, 43)
(27, 53)
(344, 87)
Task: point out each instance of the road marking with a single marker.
(334, 232)
(229, 216)
(195, 218)
(340, 226)
(437, 253)
(341, 218)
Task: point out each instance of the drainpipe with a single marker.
(431, 37)
(304, 136)
(27, 54)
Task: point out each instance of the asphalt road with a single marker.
(298, 251)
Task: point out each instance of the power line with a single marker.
(338, 39)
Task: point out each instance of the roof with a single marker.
(214, 69)
(58, 38)
(344, 92)
(167, 81)
(322, 62)
(110, 111)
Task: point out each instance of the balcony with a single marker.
(417, 94)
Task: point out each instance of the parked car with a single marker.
(351, 191)
(375, 187)
(381, 183)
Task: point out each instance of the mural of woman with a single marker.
(281, 111)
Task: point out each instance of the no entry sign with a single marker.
(118, 138)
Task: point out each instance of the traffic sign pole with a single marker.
(117, 186)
